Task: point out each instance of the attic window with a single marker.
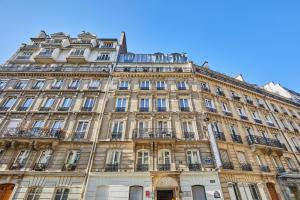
(107, 45)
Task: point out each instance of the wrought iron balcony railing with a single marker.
(205, 89)
(4, 108)
(40, 166)
(17, 165)
(258, 121)
(210, 109)
(78, 135)
(63, 108)
(144, 109)
(87, 108)
(249, 101)
(294, 170)
(254, 139)
(297, 148)
(220, 136)
(271, 124)
(185, 109)
(142, 167)
(161, 109)
(243, 117)
(120, 109)
(221, 93)
(69, 167)
(116, 135)
(154, 133)
(152, 69)
(160, 88)
(32, 133)
(237, 138)
(123, 88)
(246, 166)
(22, 108)
(145, 88)
(236, 98)
(229, 114)
(280, 170)
(227, 165)
(189, 135)
(164, 167)
(181, 87)
(44, 108)
(264, 168)
(194, 167)
(261, 105)
(112, 167)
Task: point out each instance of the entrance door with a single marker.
(198, 192)
(272, 191)
(5, 191)
(295, 192)
(165, 195)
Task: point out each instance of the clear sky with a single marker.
(259, 39)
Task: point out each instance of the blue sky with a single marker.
(259, 39)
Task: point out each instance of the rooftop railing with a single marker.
(153, 69)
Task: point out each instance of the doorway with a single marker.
(6, 191)
(272, 191)
(198, 192)
(295, 192)
(165, 195)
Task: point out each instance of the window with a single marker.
(284, 124)
(225, 107)
(193, 157)
(204, 86)
(103, 56)
(46, 52)
(233, 131)
(43, 160)
(107, 45)
(21, 84)
(209, 103)
(9, 103)
(13, 124)
(234, 191)
(121, 105)
(94, 84)
(181, 85)
(21, 160)
(57, 125)
(117, 130)
(184, 104)
(164, 157)
(34, 193)
(215, 127)
(81, 129)
(188, 130)
(113, 158)
(291, 164)
(145, 85)
(224, 156)
(255, 115)
(48, 103)
(123, 85)
(160, 85)
(142, 160)
(39, 84)
(144, 105)
(27, 103)
(162, 125)
(67, 103)
(241, 157)
(254, 192)
(161, 105)
(24, 55)
(220, 91)
(57, 84)
(89, 103)
(77, 52)
(74, 84)
(62, 193)
(269, 119)
(3, 84)
(241, 111)
(37, 126)
(73, 158)
(136, 193)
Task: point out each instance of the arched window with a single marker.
(198, 192)
(136, 193)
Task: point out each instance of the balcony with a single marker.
(144, 109)
(79, 135)
(44, 108)
(258, 121)
(219, 136)
(63, 108)
(112, 167)
(249, 101)
(40, 166)
(161, 109)
(185, 109)
(160, 88)
(142, 167)
(120, 109)
(116, 135)
(4, 108)
(44, 57)
(153, 69)
(163, 167)
(280, 170)
(294, 170)
(271, 124)
(189, 135)
(236, 138)
(69, 167)
(154, 134)
(261, 142)
(181, 87)
(236, 98)
(22, 108)
(227, 165)
(243, 117)
(205, 89)
(76, 58)
(86, 108)
(33, 133)
(210, 109)
(56, 87)
(17, 166)
(229, 114)
(123, 88)
(264, 168)
(221, 93)
(144, 88)
(194, 167)
(246, 166)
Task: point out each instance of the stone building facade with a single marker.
(82, 118)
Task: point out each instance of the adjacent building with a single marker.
(83, 118)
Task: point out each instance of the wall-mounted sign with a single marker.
(217, 194)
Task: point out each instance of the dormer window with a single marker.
(46, 52)
(103, 56)
(25, 55)
(77, 52)
(107, 45)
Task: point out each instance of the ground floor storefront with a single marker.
(156, 186)
(250, 186)
(290, 186)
